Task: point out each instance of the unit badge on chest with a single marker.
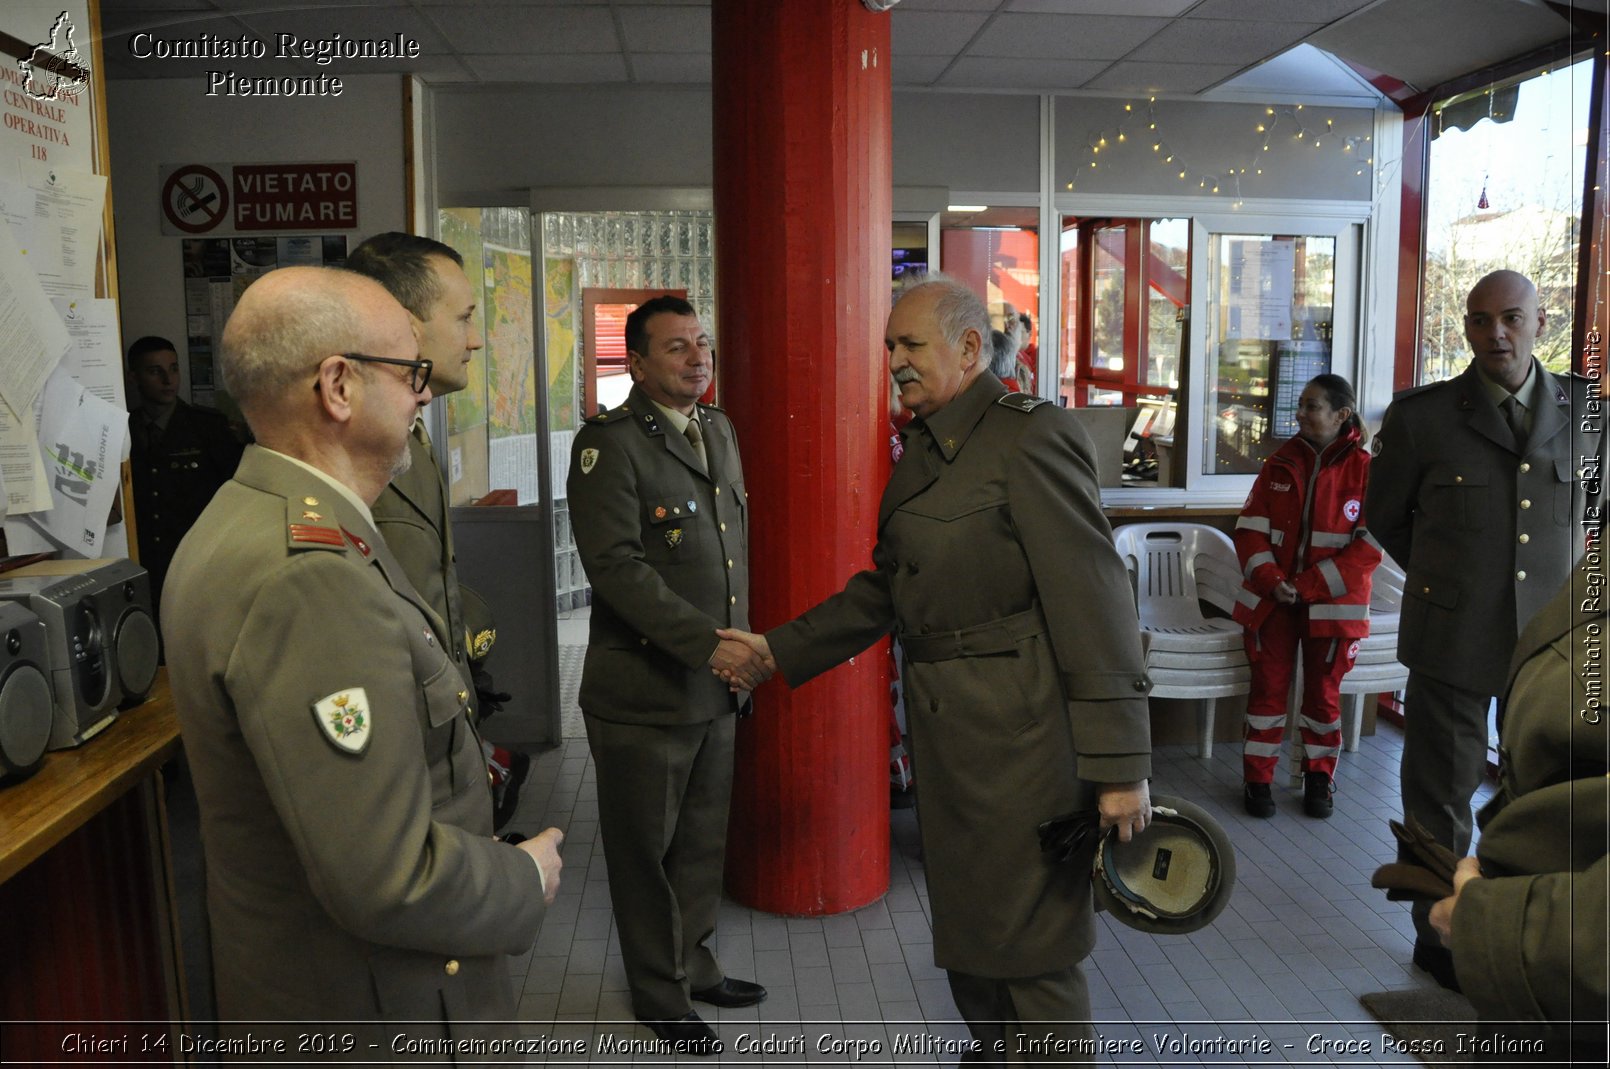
(589, 457)
(673, 537)
(344, 719)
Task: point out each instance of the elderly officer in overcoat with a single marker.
(352, 875)
(1526, 922)
(660, 516)
(1025, 681)
(1476, 491)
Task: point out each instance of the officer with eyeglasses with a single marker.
(352, 873)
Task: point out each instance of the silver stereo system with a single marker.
(101, 639)
(26, 711)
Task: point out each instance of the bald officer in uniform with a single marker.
(658, 507)
(1475, 490)
(1024, 674)
(352, 875)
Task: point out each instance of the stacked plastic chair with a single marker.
(1191, 652)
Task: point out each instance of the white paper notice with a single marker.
(96, 356)
(81, 438)
(32, 337)
(67, 216)
(21, 467)
(17, 208)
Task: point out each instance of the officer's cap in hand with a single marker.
(1170, 879)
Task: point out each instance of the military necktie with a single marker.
(421, 435)
(1515, 416)
(695, 438)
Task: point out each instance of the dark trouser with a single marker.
(1021, 1014)
(663, 797)
(1444, 759)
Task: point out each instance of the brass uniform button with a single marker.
(463, 694)
(1520, 577)
(1526, 502)
(733, 600)
(1525, 467)
(729, 562)
(1458, 478)
(718, 491)
(1525, 538)
(451, 968)
(723, 527)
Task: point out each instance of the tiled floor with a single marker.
(1303, 936)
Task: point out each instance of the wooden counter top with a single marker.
(72, 786)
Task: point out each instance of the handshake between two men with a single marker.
(742, 659)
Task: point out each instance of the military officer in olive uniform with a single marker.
(1526, 920)
(1024, 674)
(428, 278)
(1476, 491)
(180, 456)
(657, 504)
(352, 875)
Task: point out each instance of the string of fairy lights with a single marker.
(1131, 131)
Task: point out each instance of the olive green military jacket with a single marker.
(665, 547)
(345, 812)
(1024, 676)
(411, 515)
(1484, 532)
(1529, 938)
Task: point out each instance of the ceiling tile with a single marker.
(948, 5)
(974, 72)
(1135, 77)
(569, 68)
(1392, 38)
(1157, 8)
(1324, 11)
(313, 26)
(679, 68)
(1222, 41)
(511, 30)
(665, 29)
(1064, 36)
(918, 33)
(917, 70)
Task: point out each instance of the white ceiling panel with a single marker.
(665, 29)
(1221, 41)
(353, 24)
(948, 5)
(1303, 72)
(934, 33)
(1159, 8)
(509, 30)
(918, 70)
(998, 73)
(1321, 11)
(561, 69)
(1064, 36)
(1134, 77)
(683, 68)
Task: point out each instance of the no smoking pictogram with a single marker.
(195, 199)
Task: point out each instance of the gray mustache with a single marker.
(905, 375)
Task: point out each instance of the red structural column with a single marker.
(802, 208)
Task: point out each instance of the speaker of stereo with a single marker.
(101, 639)
(26, 702)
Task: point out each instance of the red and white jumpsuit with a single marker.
(1303, 523)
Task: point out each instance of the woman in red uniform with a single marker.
(1307, 559)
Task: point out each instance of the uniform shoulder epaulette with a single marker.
(712, 408)
(1021, 402)
(309, 525)
(610, 415)
(1413, 390)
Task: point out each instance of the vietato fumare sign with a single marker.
(223, 198)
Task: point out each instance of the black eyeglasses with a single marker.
(419, 376)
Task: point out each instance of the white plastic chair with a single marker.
(1175, 568)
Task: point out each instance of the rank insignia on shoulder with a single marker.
(481, 644)
(673, 537)
(315, 534)
(589, 457)
(345, 719)
(1022, 402)
(1375, 446)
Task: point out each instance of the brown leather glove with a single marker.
(1427, 872)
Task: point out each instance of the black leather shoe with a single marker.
(1316, 795)
(732, 993)
(1258, 800)
(1438, 961)
(689, 1035)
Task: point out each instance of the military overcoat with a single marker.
(665, 547)
(1484, 531)
(1529, 939)
(351, 880)
(1024, 676)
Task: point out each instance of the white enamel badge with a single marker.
(345, 719)
(589, 457)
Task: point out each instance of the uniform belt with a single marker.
(997, 636)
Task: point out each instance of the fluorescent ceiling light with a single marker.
(966, 207)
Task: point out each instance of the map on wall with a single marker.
(559, 311)
(466, 409)
(511, 391)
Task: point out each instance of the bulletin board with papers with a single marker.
(63, 420)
